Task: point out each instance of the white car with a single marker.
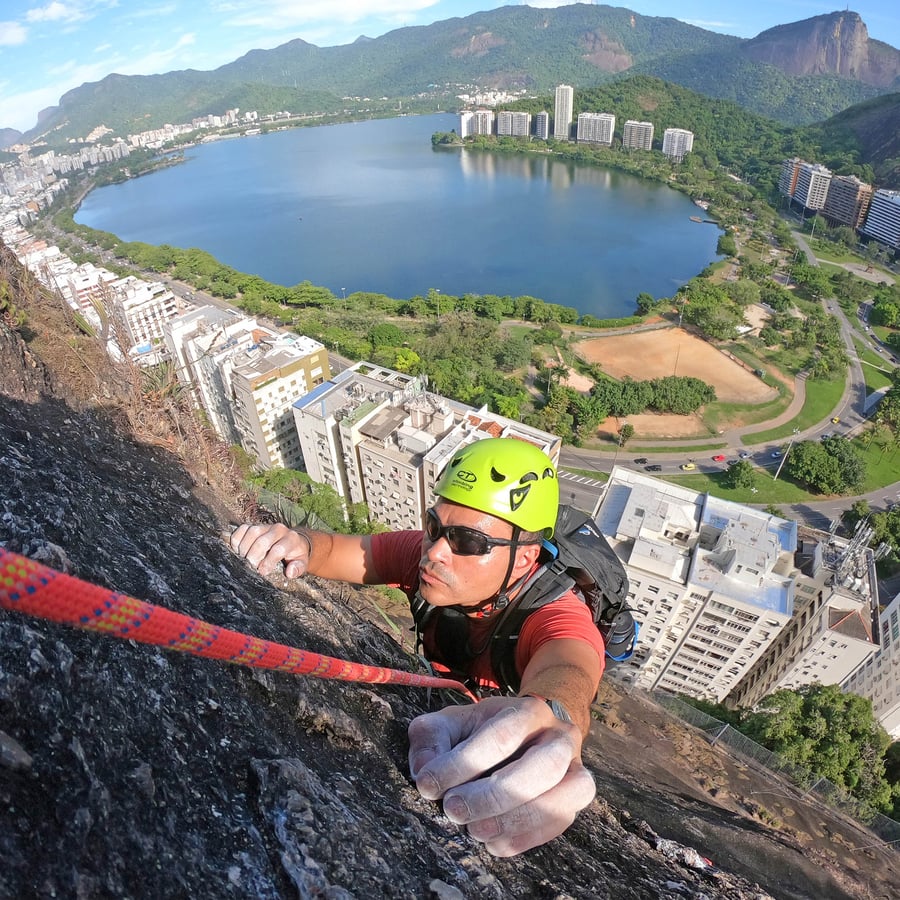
(775, 454)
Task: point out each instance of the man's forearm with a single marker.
(567, 671)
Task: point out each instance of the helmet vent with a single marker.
(528, 476)
(497, 476)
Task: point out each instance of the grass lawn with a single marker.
(875, 369)
(768, 490)
(821, 399)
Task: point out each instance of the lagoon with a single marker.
(371, 206)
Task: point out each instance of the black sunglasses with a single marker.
(463, 541)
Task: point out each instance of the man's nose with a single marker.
(438, 550)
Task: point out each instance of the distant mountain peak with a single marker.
(835, 43)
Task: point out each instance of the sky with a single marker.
(50, 47)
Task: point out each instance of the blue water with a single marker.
(370, 206)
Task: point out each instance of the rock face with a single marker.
(835, 44)
(129, 771)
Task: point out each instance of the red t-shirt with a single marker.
(396, 556)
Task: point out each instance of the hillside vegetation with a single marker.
(511, 48)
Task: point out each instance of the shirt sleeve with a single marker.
(396, 555)
(567, 618)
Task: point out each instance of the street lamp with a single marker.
(344, 296)
(786, 452)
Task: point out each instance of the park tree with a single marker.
(741, 475)
(829, 732)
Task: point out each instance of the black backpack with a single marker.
(585, 563)
(579, 559)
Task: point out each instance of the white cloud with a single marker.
(12, 33)
(56, 12)
(704, 23)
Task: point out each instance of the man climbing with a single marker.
(497, 503)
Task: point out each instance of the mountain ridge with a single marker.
(513, 47)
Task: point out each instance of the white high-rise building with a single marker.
(202, 344)
(143, 307)
(883, 219)
(637, 135)
(677, 143)
(513, 124)
(711, 582)
(812, 185)
(562, 112)
(878, 678)
(542, 125)
(476, 121)
(833, 626)
(595, 128)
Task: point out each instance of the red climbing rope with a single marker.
(29, 587)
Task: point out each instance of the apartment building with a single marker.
(812, 185)
(595, 128)
(202, 343)
(143, 308)
(637, 135)
(514, 124)
(883, 218)
(711, 582)
(542, 125)
(380, 437)
(847, 201)
(878, 678)
(562, 112)
(266, 380)
(787, 180)
(677, 143)
(476, 121)
(834, 627)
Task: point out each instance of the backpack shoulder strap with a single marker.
(549, 583)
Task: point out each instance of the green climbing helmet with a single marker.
(506, 477)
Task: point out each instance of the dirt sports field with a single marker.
(671, 351)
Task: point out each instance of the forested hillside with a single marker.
(511, 48)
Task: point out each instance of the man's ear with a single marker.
(526, 557)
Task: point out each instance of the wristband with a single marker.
(556, 708)
(306, 538)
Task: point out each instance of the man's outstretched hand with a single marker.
(506, 768)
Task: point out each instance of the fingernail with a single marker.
(428, 786)
(456, 809)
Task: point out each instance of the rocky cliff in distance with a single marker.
(834, 44)
(127, 771)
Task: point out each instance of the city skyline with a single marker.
(58, 45)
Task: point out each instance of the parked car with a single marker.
(719, 457)
(653, 468)
(745, 454)
(686, 467)
(732, 462)
(775, 454)
(835, 420)
(641, 460)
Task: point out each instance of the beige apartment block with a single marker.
(266, 380)
(847, 202)
(637, 135)
(711, 582)
(380, 437)
(143, 307)
(812, 185)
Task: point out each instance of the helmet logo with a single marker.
(467, 476)
(517, 496)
